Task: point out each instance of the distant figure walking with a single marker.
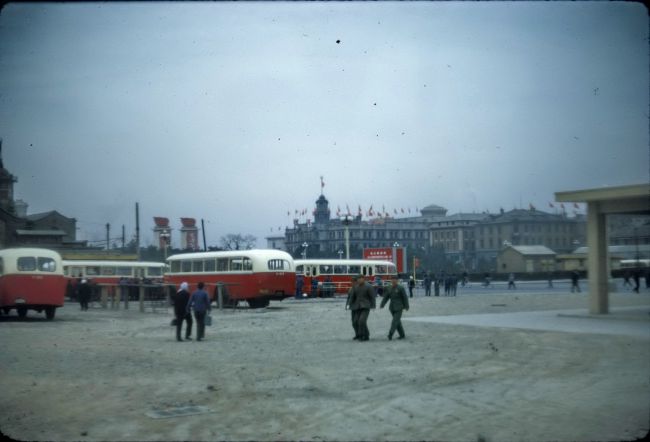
(464, 279)
(436, 285)
(427, 285)
(511, 282)
(447, 285)
(411, 286)
(396, 294)
(300, 282)
(636, 276)
(181, 298)
(575, 276)
(550, 280)
(84, 290)
(314, 287)
(626, 279)
(354, 312)
(200, 303)
(453, 286)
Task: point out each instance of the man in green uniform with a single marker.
(354, 309)
(398, 302)
(362, 299)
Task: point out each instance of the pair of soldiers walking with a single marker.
(361, 298)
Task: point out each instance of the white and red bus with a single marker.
(340, 273)
(256, 276)
(107, 272)
(31, 279)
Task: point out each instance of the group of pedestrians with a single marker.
(184, 304)
(362, 298)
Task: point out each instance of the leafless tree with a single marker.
(237, 241)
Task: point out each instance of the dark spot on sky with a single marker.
(338, 41)
(374, 104)
(278, 139)
(596, 91)
(402, 133)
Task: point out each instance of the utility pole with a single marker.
(123, 238)
(108, 236)
(137, 230)
(205, 247)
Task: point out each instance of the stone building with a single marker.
(525, 259)
(48, 229)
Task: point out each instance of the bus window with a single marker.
(92, 271)
(222, 264)
(108, 271)
(369, 270)
(236, 264)
(46, 264)
(247, 264)
(2, 266)
(154, 271)
(278, 264)
(76, 272)
(381, 269)
(26, 264)
(314, 271)
(209, 265)
(66, 270)
(354, 270)
(340, 270)
(186, 266)
(325, 269)
(197, 266)
(126, 271)
(300, 269)
(176, 266)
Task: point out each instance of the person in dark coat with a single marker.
(575, 276)
(427, 285)
(354, 312)
(411, 286)
(436, 285)
(200, 303)
(181, 298)
(314, 287)
(300, 282)
(636, 276)
(84, 290)
(362, 298)
(398, 302)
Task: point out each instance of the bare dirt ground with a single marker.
(292, 372)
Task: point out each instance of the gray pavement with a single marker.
(625, 321)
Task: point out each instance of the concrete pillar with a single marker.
(597, 260)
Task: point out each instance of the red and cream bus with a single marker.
(31, 279)
(256, 276)
(340, 272)
(111, 272)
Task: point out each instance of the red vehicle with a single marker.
(255, 276)
(334, 276)
(112, 273)
(31, 279)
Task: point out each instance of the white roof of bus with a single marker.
(30, 251)
(257, 253)
(353, 262)
(113, 263)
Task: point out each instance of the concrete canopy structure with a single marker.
(632, 199)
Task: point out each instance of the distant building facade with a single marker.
(18, 229)
(469, 241)
(525, 259)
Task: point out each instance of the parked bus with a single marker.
(256, 276)
(111, 272)
(31, 279)
(340, 273)
(634, 263)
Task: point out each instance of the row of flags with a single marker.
(369, 213)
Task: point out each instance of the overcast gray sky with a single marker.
(232, 111)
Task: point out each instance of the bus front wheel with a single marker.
(22, 312)
(258, 303)
(50, 312)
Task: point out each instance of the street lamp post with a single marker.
(165, 236)
(304, 250)
(346, 223)
(395, 246)
(340, 252)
